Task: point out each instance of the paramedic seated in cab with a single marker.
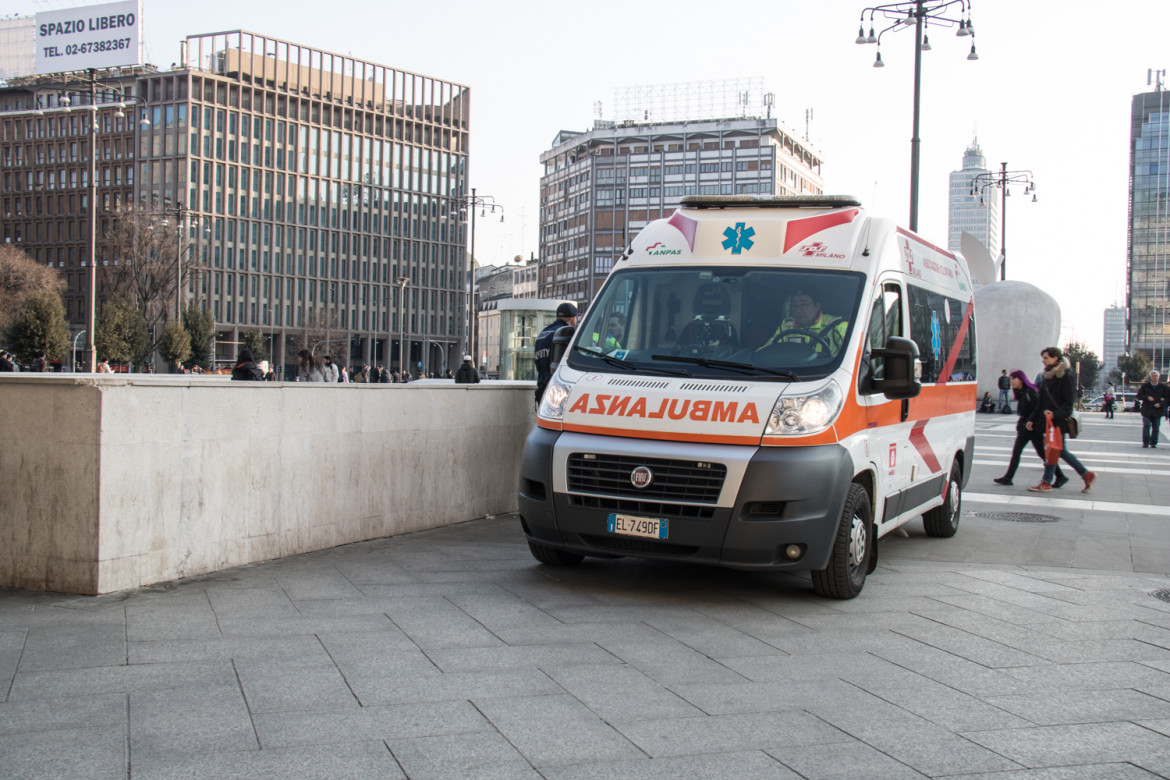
(809, 325)
(615, 331)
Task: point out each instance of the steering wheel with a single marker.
(804, 332)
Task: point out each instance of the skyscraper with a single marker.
(1114, 342)
(313, 189)
(1148, 249)
(974, 214)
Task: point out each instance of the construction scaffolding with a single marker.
(692, 100)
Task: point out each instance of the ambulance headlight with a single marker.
(556, 396)
(801, 415)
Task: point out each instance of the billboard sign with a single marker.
(93, 36)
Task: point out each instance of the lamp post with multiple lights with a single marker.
(1003, 179)
(484, 203)
(120, 100)
(918, 14)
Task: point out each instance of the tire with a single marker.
(844, 577)
(554, 557)
(943, 521)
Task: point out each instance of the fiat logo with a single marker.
(641, 477)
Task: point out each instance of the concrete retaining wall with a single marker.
(108, 483)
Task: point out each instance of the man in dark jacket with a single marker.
(1005, 384)
(1058, 390)
(246, 369)
(542, 349)
(466, 373)
(1152, 398)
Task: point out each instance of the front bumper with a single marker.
(782, 496)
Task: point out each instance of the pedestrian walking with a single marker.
(343, 375)
(542, 349)
(466, 373)
(246, 369)
(1153, 397)
(329, 370)
(1054, 407)
(1026, 404)
(1107, 401)
(308, 369)
(1005, 384)
(6, 363)
(383, 375)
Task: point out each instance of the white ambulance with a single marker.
(761, 383)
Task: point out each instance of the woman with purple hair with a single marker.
(1026, 402)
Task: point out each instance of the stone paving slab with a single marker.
(1014, 651)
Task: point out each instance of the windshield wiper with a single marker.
(613, 361)
(627, 365)
(746, 368)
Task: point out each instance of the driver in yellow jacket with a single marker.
(808, 317)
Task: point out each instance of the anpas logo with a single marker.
(817, 249)
(659, 248)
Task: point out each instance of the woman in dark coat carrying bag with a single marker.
(1026, 405)
(1056, 395)
(246, 369)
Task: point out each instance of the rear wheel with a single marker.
(844, 577)
(943, 521)
(554, 557)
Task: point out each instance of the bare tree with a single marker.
(20, 278)
(143, 263)
(319, 333)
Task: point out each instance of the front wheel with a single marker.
(943, 521)
(554, 557)
(844, 577)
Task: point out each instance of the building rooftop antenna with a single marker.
(1155, 76)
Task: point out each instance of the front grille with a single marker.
(674, 480)
(643, 508)
(619, 544)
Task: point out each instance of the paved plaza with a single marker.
(1032, 646)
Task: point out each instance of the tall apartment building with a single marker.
(1148, 248)
(1114, 342)
(600, 187)
(966, 212)
(310, 185)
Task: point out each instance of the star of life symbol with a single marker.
(935, 334)
(739, 238)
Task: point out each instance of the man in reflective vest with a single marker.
(615, 331)
(808, 317)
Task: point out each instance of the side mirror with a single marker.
(900, 357)
(560, 343)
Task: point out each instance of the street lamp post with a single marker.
(918, 14)
(1003, 179)
(402, 281)
(179, 211)
(121, 100)
(484, 203)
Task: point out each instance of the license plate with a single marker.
(629, 525)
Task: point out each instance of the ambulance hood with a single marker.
(670, 408)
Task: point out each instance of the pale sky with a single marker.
(1050, 93)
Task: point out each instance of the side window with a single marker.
(945, 333)
(885, 320)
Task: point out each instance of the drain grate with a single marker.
(1017, 517)
(1162, 595)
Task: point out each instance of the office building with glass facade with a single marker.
(1148, 248)
(313, 189)
(600, 187)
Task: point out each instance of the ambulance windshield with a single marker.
(720, 322)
